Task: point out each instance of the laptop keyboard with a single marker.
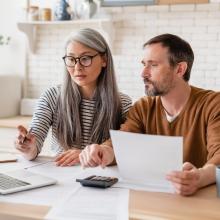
(8, 182)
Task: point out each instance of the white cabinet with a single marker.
(10, 90)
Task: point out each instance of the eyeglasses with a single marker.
(85, 60)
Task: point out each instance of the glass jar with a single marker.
(45, 14)
(33, 13)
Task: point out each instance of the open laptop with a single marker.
(20, 180)
(144, 160)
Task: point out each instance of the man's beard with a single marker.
(154, 90)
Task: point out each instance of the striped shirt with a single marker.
(45, 117)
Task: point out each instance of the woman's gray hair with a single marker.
(107, 116)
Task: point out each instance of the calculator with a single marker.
(98, 181)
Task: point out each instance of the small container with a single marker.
(45, 14)
(33, 13)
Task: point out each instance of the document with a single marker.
(45, 195)
(144, 160)
(88, 203)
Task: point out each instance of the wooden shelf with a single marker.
(162, 2)
(30, 28)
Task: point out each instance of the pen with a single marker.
(39, 164)
(26, 135)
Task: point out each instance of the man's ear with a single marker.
(181, 68)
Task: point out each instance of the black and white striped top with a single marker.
(45, 117)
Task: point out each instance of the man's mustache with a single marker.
(147, 81)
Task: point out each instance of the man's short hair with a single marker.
(179, 50)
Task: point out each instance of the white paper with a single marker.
(146, 159)
(47, 195)
(115, 200)
(88, 203)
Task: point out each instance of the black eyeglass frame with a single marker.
(77, 59)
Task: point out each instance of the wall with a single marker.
(12, 56)
(199, 24)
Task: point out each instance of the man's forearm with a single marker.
(207, 175)
(109, 153)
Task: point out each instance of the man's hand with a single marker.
(68, 158)
(187, 181)
(96, 155)
(190, 179)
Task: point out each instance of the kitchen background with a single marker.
(127, 29)
(28, 65)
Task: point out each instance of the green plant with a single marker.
(4, 40)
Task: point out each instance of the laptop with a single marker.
(144, 160)
(20, 180)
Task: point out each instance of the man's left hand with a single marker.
(187, 181)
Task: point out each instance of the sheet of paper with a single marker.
(49, 195)
(88, 203)
(146, 159)
(46, 195)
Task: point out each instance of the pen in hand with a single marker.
(25, 138)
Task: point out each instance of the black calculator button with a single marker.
(98, 181)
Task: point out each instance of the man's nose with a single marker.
(145, 72)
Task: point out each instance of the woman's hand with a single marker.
(26, 143)
(68, 158)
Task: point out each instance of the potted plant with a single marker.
(5, 54)
(4, 40)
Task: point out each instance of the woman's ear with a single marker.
(104, 61)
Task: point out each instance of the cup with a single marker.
(218, 180)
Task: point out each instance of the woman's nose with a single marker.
(78, 65)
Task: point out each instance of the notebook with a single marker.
(20, 180)
(144, 160)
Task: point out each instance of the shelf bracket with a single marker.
(31, 31)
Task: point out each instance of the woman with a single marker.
(83, 109)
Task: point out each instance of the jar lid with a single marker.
(33, 8)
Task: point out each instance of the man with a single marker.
(172, 107)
